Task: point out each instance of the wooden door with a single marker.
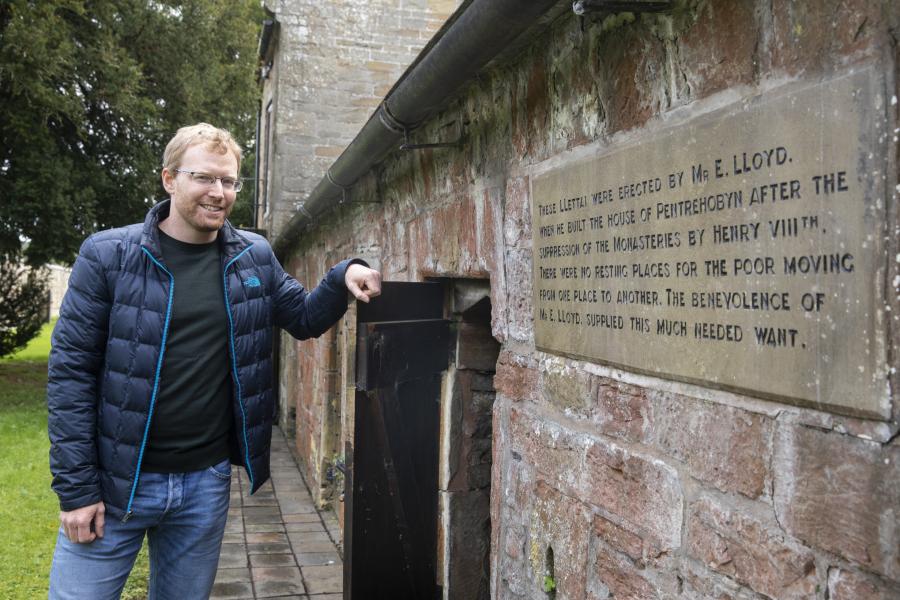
(390, 534)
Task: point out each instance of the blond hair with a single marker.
(215, 140)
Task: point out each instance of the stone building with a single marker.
(662, 251)
(58, 283)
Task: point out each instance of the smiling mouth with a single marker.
(212, 208)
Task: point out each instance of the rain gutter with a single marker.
(475, 34)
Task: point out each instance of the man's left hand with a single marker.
(364, 283)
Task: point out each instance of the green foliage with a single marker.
(28, 507)
(23, 303)
(38, 349)
(91, 91)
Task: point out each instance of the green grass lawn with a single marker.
(29, 512)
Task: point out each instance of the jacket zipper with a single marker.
(159, 362)
(237, 381)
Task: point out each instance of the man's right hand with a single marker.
(77, 523)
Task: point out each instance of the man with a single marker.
(160, 377)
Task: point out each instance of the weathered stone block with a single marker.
(630, 65)
(560, 527)
(569, 389)
(622, 410)
(448, 237)
(510, 570)
(697, 583)
(516, 378)
(529, 106)
(840, 494)
(519, 288)
(850, 585)
(642, 490)
(517, 225)
(576, 115)
(546, 446)
(504, 464)
(619, 538)
(614, 577)
(750, 551)
(722, 47)
(419, 260)
(809, 36)
(514, 545)
(488, 231)
(727, 447)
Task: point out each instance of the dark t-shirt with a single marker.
(192, 416)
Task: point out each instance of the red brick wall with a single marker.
(643, 487)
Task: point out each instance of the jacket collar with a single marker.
(231, 242)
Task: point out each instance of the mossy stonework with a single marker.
(647, 484)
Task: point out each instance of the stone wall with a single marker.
(334, 63)
(58, 282)
(639, 487)
(329, 66)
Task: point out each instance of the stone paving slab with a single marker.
(277, 581)
(277, 545)
(273, 560)
(308, 527)
(324, 579)
(302, 518)
(309, 559)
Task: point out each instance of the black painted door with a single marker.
(391, 496)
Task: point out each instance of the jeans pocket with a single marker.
(221, 470)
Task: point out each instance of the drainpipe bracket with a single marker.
(399, 127)
(391, 122)
(345, 192)
(345, 189)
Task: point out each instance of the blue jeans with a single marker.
(183, 515)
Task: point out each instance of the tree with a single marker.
(23, 303)
(90, 92)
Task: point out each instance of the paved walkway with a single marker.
(276, 544)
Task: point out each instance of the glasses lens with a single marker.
(206, 179)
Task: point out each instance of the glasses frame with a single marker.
(238, 182)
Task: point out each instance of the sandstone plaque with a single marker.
(744, 249)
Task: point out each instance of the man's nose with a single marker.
(217, 189)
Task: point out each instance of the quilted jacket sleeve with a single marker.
(306, 314)
(76, 360)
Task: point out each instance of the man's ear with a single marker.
(168, 180)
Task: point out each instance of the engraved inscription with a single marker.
(742, 250)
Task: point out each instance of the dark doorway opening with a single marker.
(417, 491)
(391, 503)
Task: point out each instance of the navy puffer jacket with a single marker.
(109, 346)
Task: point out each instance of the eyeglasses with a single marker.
(229, 184)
